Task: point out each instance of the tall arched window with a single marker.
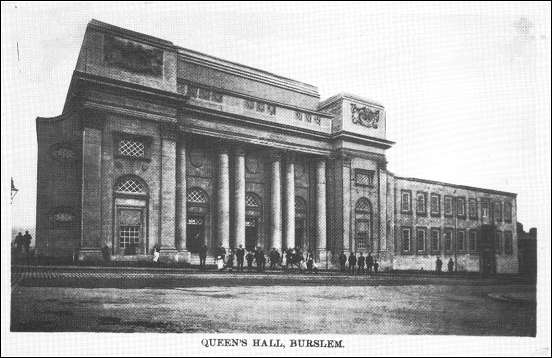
(253, 215)
(197, 212)
(131, 216)
(363, 224)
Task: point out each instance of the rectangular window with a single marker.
(508, 243)
(132, 148)
(448, 240)
(508, 212)
(498, 243)
(485, 208)
(435, 238)
(472, 209)
(473, 241)
(406, 239)
(364, 177)
(498, 211)
(460, 240)
(448, 205)
(405, 201)
(250, 105)
(435, 205)
(420, 239)
(421, 203)
(461, 207)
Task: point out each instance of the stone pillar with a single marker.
(239, 196)
(91, 217)
(321, 208)
(347, 240)
(181, 210)
(289, 209)
(167, 208)
(382, 181)
(223, 199)
(275, 202)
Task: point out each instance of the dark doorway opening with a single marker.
(194, 233)
(251, 232)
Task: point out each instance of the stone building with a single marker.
(162, 145)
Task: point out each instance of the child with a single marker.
(156, 255)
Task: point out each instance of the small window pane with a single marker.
(132, 148)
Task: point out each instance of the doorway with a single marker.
(251, 233)
(195, 233)
(130, 231)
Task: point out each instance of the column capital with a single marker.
(238, 149)
(168, 130)
(275, 155)
(92, 119)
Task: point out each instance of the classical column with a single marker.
(289, 209)
(167, 214)
(181, 195)
(91, 217)
(346, 168)
(239, 196)
(275, 202)
(321, 206)
(223, 199)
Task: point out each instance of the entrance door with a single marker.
(299, 232)
(251, 232)
(194, 233)
(130, 231)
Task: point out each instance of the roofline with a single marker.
(427, 181)
(349, 96)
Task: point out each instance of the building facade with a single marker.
(161, 145)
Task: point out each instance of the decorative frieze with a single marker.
(133, 56)
(365, 116)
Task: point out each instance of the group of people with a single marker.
(289, 258)
(358, 265)
(23, 242)
(439, 265)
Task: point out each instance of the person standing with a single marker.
(369, 263)
(283, 261)
(450, 265)
(376, 266)
(352, 263)
(202, 257)
(19, 242)
(230, 260)
(156, 255)
(360, 262)
(249, 257)
(27, 238)
(342, 261)
(310, 262)
(220, 257)
(438, 265)
(240, 253)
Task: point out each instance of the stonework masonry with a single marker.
(161, 146)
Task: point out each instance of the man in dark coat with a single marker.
(352, 262)
(342, 261)
(274, 258)
(19, 242)
(360, 262)
(230, 260)
(438, 265)
(27, 241)
(249, 257)
(376, 267)
(369, 262)
(240, 253)
(202, 257)
(260, 259)
(450, 265)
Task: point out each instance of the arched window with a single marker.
(131, 185)
(197, 215)
(197, 196)
(252, 201)
(363, 224)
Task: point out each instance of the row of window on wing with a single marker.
(307, 117)
(261, 107)
(503, 241)
(421, 206)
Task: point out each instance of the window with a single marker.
(498, 243)
(435, 205)
(485, 208)
(448, 205)
(129, 237)
(132, 148)
(435, 238)
(249, 105)
(473, 241)
(405, 201)
(252, 201)
(406, 239)
(448, 240)
(460, 240)
(421, 207)
(461, 207)
(508, 243)
(130, 185)
(196, 196)
(498, 211)
(508, 212)
(363, 223)
(298, 116)
(472, 209)
(420, 239)
(364, 178)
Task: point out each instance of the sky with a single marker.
(466, 86)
